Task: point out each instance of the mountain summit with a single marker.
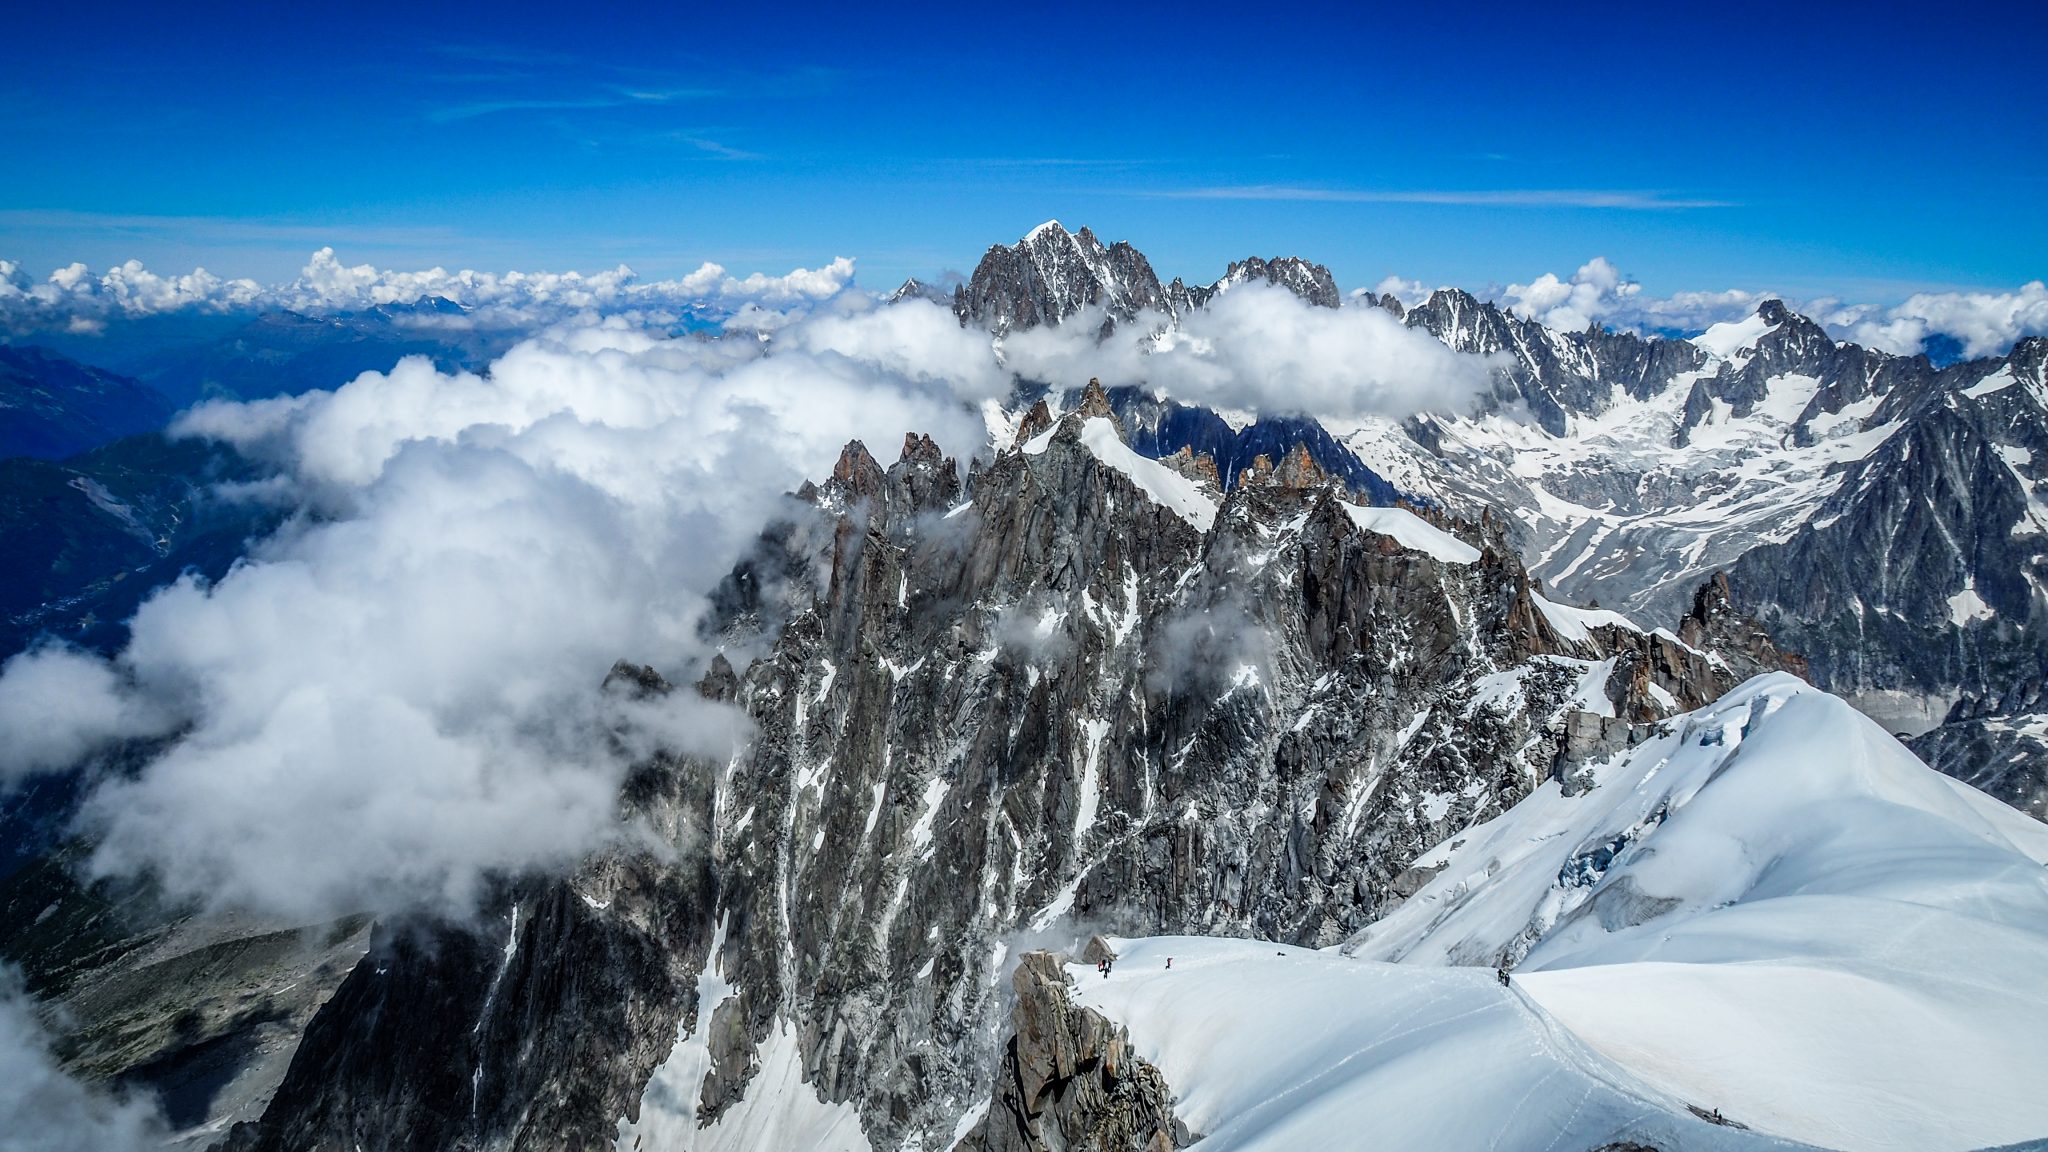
(1052, 273)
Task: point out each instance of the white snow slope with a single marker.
(1774, 911)
(1167, 488)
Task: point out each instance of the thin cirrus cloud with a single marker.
(617, 98)
(701, 140)
(1624, 199)
(525, 82)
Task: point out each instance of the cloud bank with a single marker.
(1984, 323)
(1980, 323)
(1599, 292)
(397, 694)
(73, 298)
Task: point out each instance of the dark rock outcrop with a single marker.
(1924, 573)
(1996, 743)
(1069, 1079)
(536, 1029)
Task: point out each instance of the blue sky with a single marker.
(1856, 151)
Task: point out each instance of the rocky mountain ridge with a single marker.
(1880, 515)
(52, 407)
(1763, 447)
(1081, 689)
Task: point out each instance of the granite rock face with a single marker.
(1885, 517)
(1161, 427)
(202, 1011)
(536, 1029)
(1926, 570)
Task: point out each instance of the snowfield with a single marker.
(1772, 910)
(1616, 511)
(1273, 1048)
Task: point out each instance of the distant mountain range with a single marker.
(1885, 517)
(52, 406)
(98, 509)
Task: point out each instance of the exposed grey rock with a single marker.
(1312, 282)
(1161, 427)
(1069, 1079)
(202, 1010)
(1953, 505)
(1051, 274)
(1916, 570)
(1925, 572)
(915, 289)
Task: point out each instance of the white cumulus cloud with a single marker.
(1260, 348)
(1984, 323)
(58, 705)
(1594, 292)
(76, 298)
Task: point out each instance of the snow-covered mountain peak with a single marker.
(1731, 339)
